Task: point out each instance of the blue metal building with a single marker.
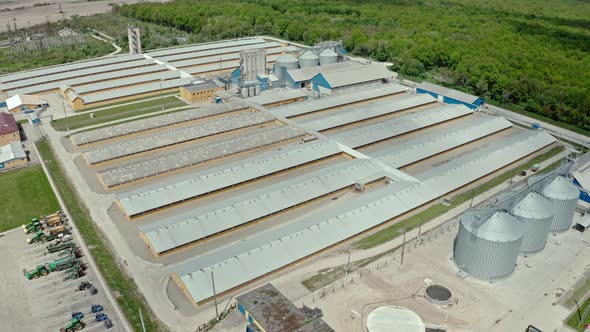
(450, 96)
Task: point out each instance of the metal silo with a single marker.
(564, 196)
(309, 59)
(328, 56)
(288, 61)
(488, 249)
(535, 213)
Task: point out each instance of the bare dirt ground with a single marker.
(30, 15)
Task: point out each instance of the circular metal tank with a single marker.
(564, 196)
(438, 294)
(309, 59)
(328, 56)
(392, 318)
(288, 61)
(535, 212)
(293, 50)
(488, 249)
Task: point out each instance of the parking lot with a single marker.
(45, 303)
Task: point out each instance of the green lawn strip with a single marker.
(128, 296)
(434, 211)
(27, 194)
(574, 319)
(22, 121)
(84, 120)
(578, 293)
(123, 103)
(520, 110)
(327, 276)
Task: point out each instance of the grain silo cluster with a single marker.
(490, 241)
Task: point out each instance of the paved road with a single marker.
(120, 316)
(556, 131)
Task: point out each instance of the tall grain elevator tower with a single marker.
(133, 34)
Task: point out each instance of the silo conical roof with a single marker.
(328, 52)
(285, 58)
(308, 56)
(500, 227)
(534, 206)
(561, 188)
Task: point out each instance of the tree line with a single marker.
(528, 55)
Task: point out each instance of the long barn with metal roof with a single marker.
(247, 260)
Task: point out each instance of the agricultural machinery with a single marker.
(96, 308)
(61, 246)
(78, 315)
(100, 317)
(108, 324)
(33, 226)
(57, 265)
(40, 236)
(73, 251)
(86, 285)
(74, 325)
(75, 272)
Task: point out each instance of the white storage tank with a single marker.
(564, 196)
(535, 212)
(488, 249)
(328, 56)
(257, 90)
(394, 319)
(309, 59)
(244, 92)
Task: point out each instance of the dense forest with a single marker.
(531, 55)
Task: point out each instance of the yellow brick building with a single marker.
(194, 93)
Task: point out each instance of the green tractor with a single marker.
(57, 265)
(40, 236)
(74, 325)
(32, 227)
(39, 271)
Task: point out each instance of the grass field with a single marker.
(130, 299)
(116, 113)
(574, 320)
(27, 194)
(434, 211)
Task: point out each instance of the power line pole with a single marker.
(141, 319)
(348, 263)
(214, 296)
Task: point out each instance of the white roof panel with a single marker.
(276, 95)
(152, 123)
(359, 113)
(401, 125)
(196, 155)
(205, 46)
(68, 67)
(426, 146)
(135, 90)
(174, 136)
(175, 190)
(180, 230)
(122, 82)
(314, 105)
(59, 78)
(181, 60)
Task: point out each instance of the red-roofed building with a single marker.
(8, 129)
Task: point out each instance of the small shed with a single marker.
(12, 155)
(450, 96)
(25, 103)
